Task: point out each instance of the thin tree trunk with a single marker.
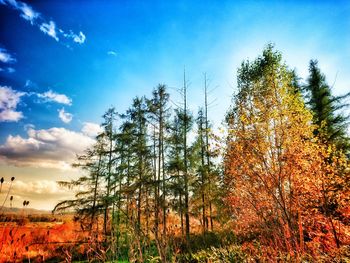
(163, 183)
(95, 192)
(202, 171)
(108, 181)
(156, 191)
(187, 216)
(207, 150)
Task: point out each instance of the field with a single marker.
(39, 238)
(60, 238)
(55, 238)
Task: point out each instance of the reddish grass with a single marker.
(38, 240)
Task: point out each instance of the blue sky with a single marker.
(63, 63)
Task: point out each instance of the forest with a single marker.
(163, 184)
(275, 186)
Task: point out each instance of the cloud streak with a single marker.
(8, 70)
(10, 98)
(47, 27)
(112, 53)
(6, 57)
(51, 96)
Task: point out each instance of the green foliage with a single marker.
(331, 124)
(231, 253)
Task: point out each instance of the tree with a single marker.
(88, 203)
(271, 154)
(176, 164)
(331, 130)
(159, 114)
(201, 189)
(186, 129)
(141, 152)
(331, 125)
(108, 135)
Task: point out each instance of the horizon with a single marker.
(62, 64)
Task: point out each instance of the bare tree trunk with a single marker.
(156, 187)
(207, 150)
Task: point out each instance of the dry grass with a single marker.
(38, 240)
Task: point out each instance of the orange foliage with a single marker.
(287, 190)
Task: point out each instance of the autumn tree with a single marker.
(331, 130)
(271, 152)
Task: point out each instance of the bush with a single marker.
(231, 253)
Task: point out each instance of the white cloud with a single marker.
(42, 187)
(56, 97)
(10, 115)
(50, 148)
(28, 13)
(91, 129)
(6, 57)
(112, 53)
(65, 116)
(79, 38)
(9, 99)
(50, 29)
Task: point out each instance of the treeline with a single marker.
(284, 180)
(144, 169)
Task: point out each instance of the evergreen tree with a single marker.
(159, 114)
(176, 162)
(140, 150)
(186, 129)
(108, 135)
(88, 202)
(331, 125)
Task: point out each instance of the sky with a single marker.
(63, 63)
